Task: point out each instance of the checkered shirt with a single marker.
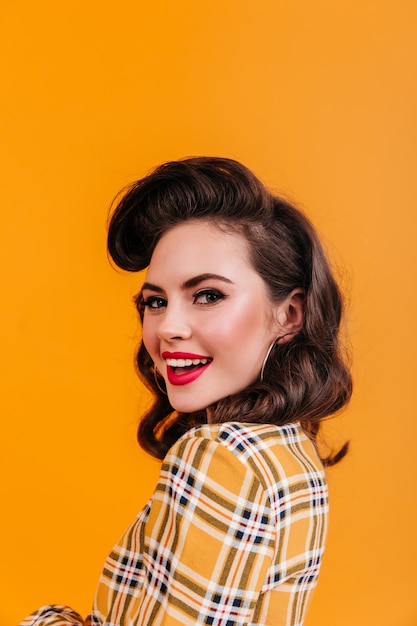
(233, 535)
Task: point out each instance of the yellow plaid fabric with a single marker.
(233, 535)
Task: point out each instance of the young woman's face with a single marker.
(208, 321)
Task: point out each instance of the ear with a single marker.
(290, 315)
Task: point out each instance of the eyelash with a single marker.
(149, 302)
(161, 303)
(218, 295)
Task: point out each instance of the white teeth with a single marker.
(185, 362)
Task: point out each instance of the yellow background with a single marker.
(319, 98)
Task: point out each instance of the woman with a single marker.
(241, 317)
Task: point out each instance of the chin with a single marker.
(186, 407)
(189, 402)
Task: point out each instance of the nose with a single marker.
(174, 324)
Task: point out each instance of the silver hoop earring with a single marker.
(266, 358)
(157, 383)
(270, 350)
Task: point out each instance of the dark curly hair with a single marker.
(305, 379)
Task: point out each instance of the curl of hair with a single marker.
(304, 380)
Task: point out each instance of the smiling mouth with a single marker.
(181, 371)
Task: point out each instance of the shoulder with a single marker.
(205, 480)
(273, 453)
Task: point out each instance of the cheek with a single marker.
(239, 326)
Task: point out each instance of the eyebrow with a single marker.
(191, 282)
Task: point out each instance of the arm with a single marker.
(53, 615)
(206, 544)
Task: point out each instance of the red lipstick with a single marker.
(182, 355)
(185, 375)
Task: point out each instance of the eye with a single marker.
(153, 303)
(208, 296)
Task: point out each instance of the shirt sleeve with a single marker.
(207, 543)
(54, 615)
